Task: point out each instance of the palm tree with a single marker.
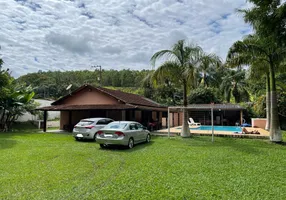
(234, 84)
(208, 63)
(180, 67)
(254, 49)
(267, 19)
(259, 70)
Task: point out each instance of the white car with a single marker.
(87, 128)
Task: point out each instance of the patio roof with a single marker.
(207, 107)
(127, 101)
(124, 97)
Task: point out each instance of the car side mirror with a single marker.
(144, 128)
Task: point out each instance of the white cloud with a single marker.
(72, 35)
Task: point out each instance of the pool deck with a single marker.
(174, 131)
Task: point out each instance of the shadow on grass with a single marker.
(136, 147)
(280, 143)
(7, 143)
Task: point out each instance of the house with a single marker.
(88, 101)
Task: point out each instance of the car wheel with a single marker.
(148, 138)
(130, 143)
(77, 139)
(102, 146)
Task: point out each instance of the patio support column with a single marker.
(45, 121)
(168, 122)
(157, 120)
(241, 117)
(212, 117)
(123, 115)
(133, 115)
(70, 121)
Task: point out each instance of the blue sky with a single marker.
(116, 34)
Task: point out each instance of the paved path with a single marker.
(176, 131)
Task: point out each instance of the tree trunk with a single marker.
(203, 81)
(236, 94)
(3, 114)
(185, 129)
(275, 132)
(268, 106)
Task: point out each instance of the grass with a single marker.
(54, 166)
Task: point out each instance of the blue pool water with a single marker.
(218, 128)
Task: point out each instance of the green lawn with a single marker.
(54, 166)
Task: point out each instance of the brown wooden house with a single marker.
(88, 101)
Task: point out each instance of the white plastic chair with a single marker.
(191, 122)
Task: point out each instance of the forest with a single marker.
(218, 84)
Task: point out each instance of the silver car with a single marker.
(87, 128)
(125, 133)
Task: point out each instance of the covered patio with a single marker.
(210, 114)
(223, 114)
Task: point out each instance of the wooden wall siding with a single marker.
(138, 115)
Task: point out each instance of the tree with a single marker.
(14, 99)
(234, 84)
(208, 63)
(179, 67)
(259, 70)
(268, 18)
(203, 96)
(253, 49)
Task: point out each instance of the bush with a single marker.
(203, 96)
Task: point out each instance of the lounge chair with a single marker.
(191, 122)
(245, 131)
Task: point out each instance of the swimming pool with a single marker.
(218, 128)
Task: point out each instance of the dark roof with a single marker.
(199, 107)
(127, 98)
(129, 101)
(130, 98)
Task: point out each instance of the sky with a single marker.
(116, 34)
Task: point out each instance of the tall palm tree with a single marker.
(208, 63)
(259, 70)
(262, 50)
(179, 66)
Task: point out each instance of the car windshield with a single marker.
(85, 122)
(115, 125)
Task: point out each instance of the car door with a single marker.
(133, 130)
(141, 132)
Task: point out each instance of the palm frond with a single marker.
(169, 70)
(160, 54)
